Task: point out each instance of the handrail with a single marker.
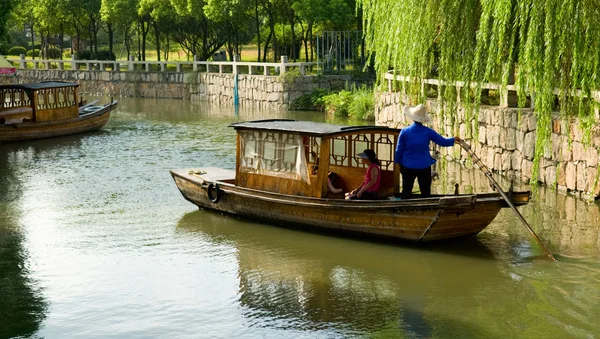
(389, 76)
(213, 67)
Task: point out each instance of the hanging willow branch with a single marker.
(550, 44)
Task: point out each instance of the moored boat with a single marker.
(47, 109)
(281, 176)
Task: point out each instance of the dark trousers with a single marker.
(408, 181)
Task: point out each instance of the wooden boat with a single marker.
(47, 109)
(281, 176)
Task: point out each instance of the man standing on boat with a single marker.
(412, 151)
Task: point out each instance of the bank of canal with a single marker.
(96, 241)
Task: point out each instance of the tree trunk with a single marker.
(32, 42)
(257, 26)
(267, 46)
(61, 37)
(157, 37)
(110, 41)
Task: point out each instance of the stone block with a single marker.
(582, 184)
(561, 174)
(591, 156)
(516, 159)
(556, 125)
(273, 97)
(506, 161)
(519, 140)
(578, 151)
(498, 118)
(571, 175)
(497, 161)
(531, 122)
(591, 173)
(576, 132)
(529, 145)
(526, 169)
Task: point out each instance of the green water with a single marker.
(97, 242)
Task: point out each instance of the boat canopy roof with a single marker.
(40, 85)
(307, 127)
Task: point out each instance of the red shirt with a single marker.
(367, 180)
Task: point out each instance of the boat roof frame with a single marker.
(40, 85)
(309, 127)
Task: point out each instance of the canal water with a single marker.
(97, 242)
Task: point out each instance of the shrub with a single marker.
(34, 52)
(355, 103)
(362, 105)
(17, 50)
(53, 53)
(312, 101)
(337, 103)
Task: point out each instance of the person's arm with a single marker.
(440, 140)
(331, 188)
(399, 149)
(374, 174)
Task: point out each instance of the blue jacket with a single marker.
(412, 150)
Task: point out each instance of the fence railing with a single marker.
(217, 67)
(507, 94)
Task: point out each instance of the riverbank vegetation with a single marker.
(549, 46)
(356, 103)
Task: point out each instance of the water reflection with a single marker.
(22, 306)
(568, 225)
(308, 281)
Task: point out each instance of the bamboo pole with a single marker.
(488, 174)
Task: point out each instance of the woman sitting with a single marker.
(370, 185)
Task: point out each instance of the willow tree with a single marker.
(550, 45)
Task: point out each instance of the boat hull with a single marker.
(417, 220)
(32, 130)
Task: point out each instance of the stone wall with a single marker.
(273, 92)
(506, 143)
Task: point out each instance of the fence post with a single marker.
(284, 60)
(74, 64)
(163, 66)
(178, 67)
(236, 59)
(22, 64)
(61, 65)
(130, 64)
(148, 68)
(195, 65)
(302, 69)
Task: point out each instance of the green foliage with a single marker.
(16, 50)
(355, 103)
(548, 43)
(53, 53)
(33, 52)
(312, 101)
(102, 55)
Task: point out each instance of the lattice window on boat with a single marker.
(42, 102)
(360, 142)
(339, 151)
(385, 148)
(249, 147)
(70, 94)
(13, 97)
(273, 154)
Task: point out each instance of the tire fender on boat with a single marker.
(217, 195)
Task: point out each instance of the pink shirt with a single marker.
(375, 187)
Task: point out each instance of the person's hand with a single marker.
(457, 139)
(358, 194)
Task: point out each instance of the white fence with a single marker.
(219, 67)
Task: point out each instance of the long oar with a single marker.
(488, 174)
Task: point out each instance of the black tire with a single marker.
(217, 196)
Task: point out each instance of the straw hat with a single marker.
(416, 113)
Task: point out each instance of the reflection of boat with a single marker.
(281, 176)
(316, 281)
(47, 109)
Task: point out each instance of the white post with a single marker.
(284, 60)
(74, 64)
(195, 65)
(220, 68)
(302, 69)
(22, 64)
(267, 70)
(178, 67)
(130, 64)
(61, 65)
(163, 66)
(147, 67)
(236, 59)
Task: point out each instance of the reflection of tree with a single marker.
(306, 281)
(22, 308)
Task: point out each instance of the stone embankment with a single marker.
(506, 143)
(260, 91)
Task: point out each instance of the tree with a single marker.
(551, 43)
(7, 6)
(197, 34)
(119, 15)
(235, 16)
